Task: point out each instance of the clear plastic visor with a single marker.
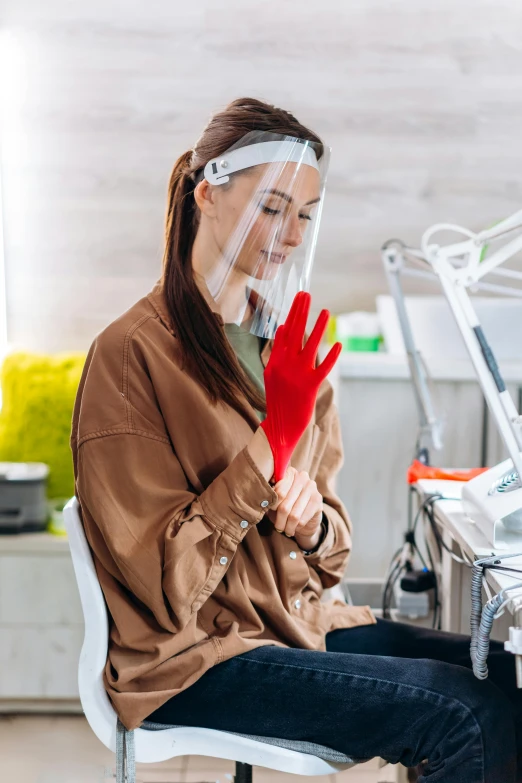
(262, 209)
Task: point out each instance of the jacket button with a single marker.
(243, 523)
(264, 503)
(297, 604)
(293, 555)
(223, 560)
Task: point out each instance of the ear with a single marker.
(204, 196)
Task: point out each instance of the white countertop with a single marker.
(450, 515)
(33, 543)
(380, 365)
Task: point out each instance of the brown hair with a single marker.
(206, 352)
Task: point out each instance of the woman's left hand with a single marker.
(299, 509)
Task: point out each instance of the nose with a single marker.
(292, 234)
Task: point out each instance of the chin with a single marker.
(266, 271)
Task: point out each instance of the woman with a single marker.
(216, 620)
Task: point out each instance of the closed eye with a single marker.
(269, 210)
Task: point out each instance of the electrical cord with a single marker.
(388, 590)
(426, 510)
(390, 582)
(402, 562)
(437, 606)
(482, 617)
(486, 564)
(429, 515)
(438, 537)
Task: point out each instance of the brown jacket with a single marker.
(174, 510)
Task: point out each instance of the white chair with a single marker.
(152, 742)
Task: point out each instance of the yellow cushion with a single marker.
(38, 392)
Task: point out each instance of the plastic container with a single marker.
(361, 343)
(23, 502)
(359, 331)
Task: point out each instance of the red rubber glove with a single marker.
(292, 381)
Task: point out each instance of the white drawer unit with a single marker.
(39, 662)
(36, 589)
(41, 624)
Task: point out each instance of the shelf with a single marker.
(34, 543)
(379, 365)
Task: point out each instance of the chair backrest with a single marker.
(95, 701)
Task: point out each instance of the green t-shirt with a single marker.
(248, 347)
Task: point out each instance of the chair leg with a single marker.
(243, 773)
(125, 755)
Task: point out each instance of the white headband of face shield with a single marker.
(217, 170)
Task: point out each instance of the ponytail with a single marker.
(206, 351)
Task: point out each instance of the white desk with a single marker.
(383, 366)
(462, 536)
(379, 425)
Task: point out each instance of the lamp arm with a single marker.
(393, 260)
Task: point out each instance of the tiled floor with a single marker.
(63, 749)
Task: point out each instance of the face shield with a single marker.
(266, 202)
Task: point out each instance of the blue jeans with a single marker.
(391, 690)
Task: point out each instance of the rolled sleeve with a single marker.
(169, 546)
(241, 494)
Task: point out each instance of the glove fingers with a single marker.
(313, 342)
(290, 318)
(326, 366)
(295, 324)
(278, 339)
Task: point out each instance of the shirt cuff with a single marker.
(325, 544)
(238, 498)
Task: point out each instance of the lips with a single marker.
(275, 258)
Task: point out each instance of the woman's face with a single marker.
(260, 219)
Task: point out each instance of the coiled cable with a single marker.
(482, 618)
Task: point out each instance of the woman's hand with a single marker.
(299, 509)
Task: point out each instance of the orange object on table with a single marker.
(418, 470)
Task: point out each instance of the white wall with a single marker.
(420, 101)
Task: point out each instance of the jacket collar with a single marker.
(157, 299)
(159, 302)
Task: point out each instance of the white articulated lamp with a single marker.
(493, 500)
